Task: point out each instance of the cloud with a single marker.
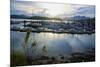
(44, 9)
(88, 11)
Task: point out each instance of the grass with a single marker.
(18, 59)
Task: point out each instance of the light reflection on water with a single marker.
(56, 44)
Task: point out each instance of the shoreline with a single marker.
(45, 31)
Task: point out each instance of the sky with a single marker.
(31, 8)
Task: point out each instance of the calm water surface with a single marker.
(55, 44)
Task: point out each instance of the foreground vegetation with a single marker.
(18, 59)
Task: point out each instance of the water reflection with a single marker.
(53, 44)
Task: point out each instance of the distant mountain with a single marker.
(56, 18)
(34, 17)
(19, 16)
(76, 18)
(80, 18)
